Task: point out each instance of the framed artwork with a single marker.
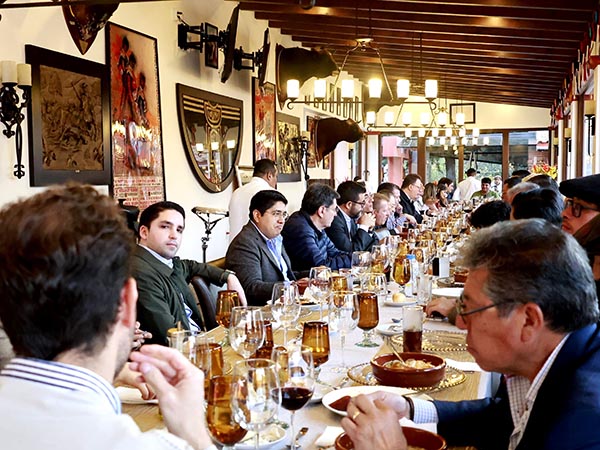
(467, 108)
(68, 119)
(311, 121)
(211, 49)
(137, 159)
(331, 97)
(288, 155)
(264, 120)
(244, 174)
(338, 104)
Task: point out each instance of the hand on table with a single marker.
(441, 305)
(372, 421)
(179, 386)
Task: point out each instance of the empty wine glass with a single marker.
(219, 413)
(320, 286)
(343, 317)
(285, 305)
(368, 317)
(246, 332)
(226, 301)
(255, 395)
(361, 263)
(296, 372)
(375, 282)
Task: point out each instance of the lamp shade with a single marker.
(348, 89)
(431, 89)
(320, 88)
(406, 118)
(375, 88)
(431, 140)
(293, 89)
(214, 145)
(486, 140)
(448, 132)
(462, 132)
(403, 89)
(442, 118)
(421, 132)
(475, 132)
(388, 117)
(425, 118)
(452, 140)
(435, 132)
(460, 119)
(408, 132)
(442, 140)
(371, 117)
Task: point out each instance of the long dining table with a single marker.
(315, 416)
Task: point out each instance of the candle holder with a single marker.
(11, 115)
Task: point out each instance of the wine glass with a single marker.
(255, 395)
(379, 258)
(340, 282)
(368, 317)
(296, 371)
(375, 282)
(285, 305)
(401, 273)
(320, 285)
(226, 301)
(219, 413)
(316, 336)
(246, 331)
(343, 317)
(361, 262)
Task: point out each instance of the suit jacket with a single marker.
(162, 289)
(408, 207)
(565, 414)
(254, 264)
(354, 240)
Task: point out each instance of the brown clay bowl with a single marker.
(414, 437)
(408, 377)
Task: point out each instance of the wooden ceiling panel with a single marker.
(502, 51)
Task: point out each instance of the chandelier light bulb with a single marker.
(293, 89)
(375, 88)
(214, 145)
(230, 144)
(320, 88)
(348, 89)
(371, 116)
(431, 89)
(403, 89)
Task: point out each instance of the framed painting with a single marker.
(265, 126)
(68, 119)
(467, 108)
(288, 155)
(211, 48)
(137, 159)
(244, 174)
(311, 121)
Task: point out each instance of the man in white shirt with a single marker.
(467, 187)
(68, 306)
(264, 177)
(531, 313)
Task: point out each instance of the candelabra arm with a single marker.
(11, 116)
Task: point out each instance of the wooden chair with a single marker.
(206, 302)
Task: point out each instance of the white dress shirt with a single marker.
(466, 188)
(239, 205)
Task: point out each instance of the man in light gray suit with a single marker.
(257, 254)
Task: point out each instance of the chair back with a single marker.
(206, 302)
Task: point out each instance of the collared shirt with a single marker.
(168, 262)
(466, 188)
(67, 407)
(275, 246)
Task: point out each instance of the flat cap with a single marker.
(584, 188)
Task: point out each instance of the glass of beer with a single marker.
(316, 336)
(226, 301)
(412, 335)
(222, 426)
(368, 317)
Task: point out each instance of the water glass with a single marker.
(343, 317)
(247, 331)
(412, 325)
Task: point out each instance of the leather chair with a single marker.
(206, 302)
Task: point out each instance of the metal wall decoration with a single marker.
(138, 168)
(69, 132)
(310, 127)
(211, 131)
(264, 120)
(288, 154)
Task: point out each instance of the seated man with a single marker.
(162, 278)
(530, 310)
(412, 189)
(381, 209)
(485, 191)
(542, 203)
(68, 306)
(349, 230)
(304, 234)
(257, 253)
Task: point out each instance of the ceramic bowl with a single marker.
(408, 377)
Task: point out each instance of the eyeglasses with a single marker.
(576, 208)
(460, 307)
(358, 203)
(279, 214)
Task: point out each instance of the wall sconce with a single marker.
(11, 105)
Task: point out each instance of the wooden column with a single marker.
(422, 159)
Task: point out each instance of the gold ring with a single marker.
(355, 415)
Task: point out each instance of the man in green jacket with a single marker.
(162, 278)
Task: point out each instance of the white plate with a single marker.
(271, 437)
(447, 292)
(132, 396)
(399, 304)
(389, 329)
(357, 390)
(320, 391)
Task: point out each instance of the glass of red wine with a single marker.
(296, 372)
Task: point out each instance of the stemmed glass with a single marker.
(343, 317)
(226, 301)
(296, 371)
(375, 282)
(247, 331)
(285, 305)
(368, 317)
(379, 258)
(255, 395)
(320, 285)
(361, 263)
(219, 413)
(315, 335)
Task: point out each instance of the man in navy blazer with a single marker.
(531, 313)
(257, 254)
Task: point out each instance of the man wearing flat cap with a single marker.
(581, 216)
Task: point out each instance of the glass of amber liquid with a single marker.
(226, 301)
(412, 324)
(368, 317)
(316, 336)
(401, 272)
(219, 415)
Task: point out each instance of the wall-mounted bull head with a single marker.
(330, 131)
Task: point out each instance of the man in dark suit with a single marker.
(530, 310)
(257, 254)
(411, 189)
(349, 230)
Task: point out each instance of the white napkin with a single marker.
(328, 437)
(464, 365)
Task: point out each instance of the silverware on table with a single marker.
(301, 432)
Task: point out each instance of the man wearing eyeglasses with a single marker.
(581, 216)
(349, 230)
(531, 313)
(411, 189)
(257, 253)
